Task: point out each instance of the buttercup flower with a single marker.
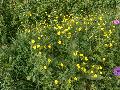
(56, 81)
(32, 41)
(45, 67)
(75, 78)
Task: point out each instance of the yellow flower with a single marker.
(27, 30)
(48, 15)
(41, 35)
(68, 28)
(39, 53)
(75, 78)
(106, 45)
(99, 24)
(91, 19)
(55, 21)
(39, 38)
(49, 60)
(65, 30)
(95, 75)
(38, 46)
(59, 42)
(102, 29)
(81, 55)
(100, 72)
(100, 18)
(34, 47)
(75, 53)
(84, 70)
(32, 41)
(45, 67)
(103, 59)
(58, 33)
(100, 67)
(76, 22)
(105, 35)
(61, 65)
(79, 29)
(91, 72)
(60, 27)
(49, 46)
(56, 81)
(78, 66)
(110, 45)
(86, 59)
(110, 32)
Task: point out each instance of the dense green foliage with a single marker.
(59, 44)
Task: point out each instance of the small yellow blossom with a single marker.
(99, 24)
(32, 41)
(39, 38)
(49, 46)
(34, 47)
(49, 60)
(79, 29)
(105, 35)
(91, 19)
(56, 81)
(84, 63)
(91, 72)
(100, 67)
(100, 18)
(28, 31)
(81, 55)
(45, 67)
(78, 66)
(75, 78)
(103, 59)
(110, 32)
(41, 35)
(102, 29)
(110, 45)
(61, 65)
(58, 33)
(40, 53)
(55, 21)
(68, 28)
(38, 46)
(76, 22)
(75, 53)
(48, 15)
(86, 59)
(106, 45)
(60, 27)
(84, 70)
(59, 42)
(100, 72)
(95, 75)
(65, 30)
